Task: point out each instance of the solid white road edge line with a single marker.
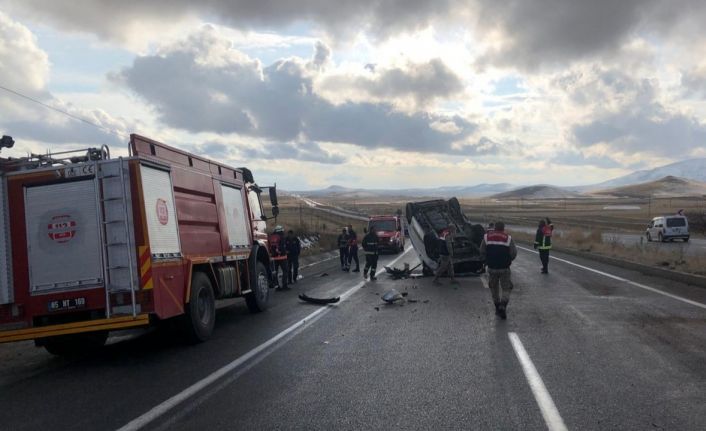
(162, 408)
(546, 405)
(633, 283)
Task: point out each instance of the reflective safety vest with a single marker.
(543, 240)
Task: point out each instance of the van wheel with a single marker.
(200, 318)
(649, 237)
(686, 239)
(259, 298)
(660, 238)
(75, 345)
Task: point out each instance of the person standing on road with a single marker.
(279, 256)
(343, 249)
(371, 249)
(543, 242)
(353, 248)
(446, 256)
(294, 248)
(499, 250)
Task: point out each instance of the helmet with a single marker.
(279, 228)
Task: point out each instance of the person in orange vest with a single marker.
(278, 254)
(543, 242)
(499, 250)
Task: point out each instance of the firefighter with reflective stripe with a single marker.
(370, 247)
(353, 248)
(278, 251)
(294, 248)
(343, 249)
(543, 242)
(498, 249)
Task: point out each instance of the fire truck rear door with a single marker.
(160, 210)
(63, 239)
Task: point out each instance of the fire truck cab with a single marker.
(90, 244)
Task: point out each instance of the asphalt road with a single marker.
(581, 350)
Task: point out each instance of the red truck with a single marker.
(90, 244)
(390, 232)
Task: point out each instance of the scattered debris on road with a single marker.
(320, 301)
(398, 274)
(392, 296)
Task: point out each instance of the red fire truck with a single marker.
(91, 244)
(389, 230)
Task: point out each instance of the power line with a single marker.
(61, 111)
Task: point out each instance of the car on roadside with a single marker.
(668, 228)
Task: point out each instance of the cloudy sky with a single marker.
(366, 93)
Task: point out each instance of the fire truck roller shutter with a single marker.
(237, 218)
(63, 240)
(6, 292)
(160, 211)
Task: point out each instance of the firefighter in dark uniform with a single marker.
(343, 249)
(543, 242)
(499, 250)
(294, 248)
(370, 247)
(279, 256)
(353, 248)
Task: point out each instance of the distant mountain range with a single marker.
(479, 190)
(678, 179)
(667, 186)
(694, 169)
(541, 191)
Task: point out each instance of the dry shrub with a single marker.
(578, 239)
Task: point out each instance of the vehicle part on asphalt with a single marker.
(392, 296)
(397, 274)
(319, 301)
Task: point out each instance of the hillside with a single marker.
(541, 191)
(693, 169)
(667, 186)
(479, 190)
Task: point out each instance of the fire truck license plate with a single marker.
(66, 304)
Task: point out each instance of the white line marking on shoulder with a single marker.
(164, 407)
(546, 405)
(633, 283)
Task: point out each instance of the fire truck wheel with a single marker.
(258, 299)
(200, 314)
(75, 345)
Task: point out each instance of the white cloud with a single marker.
(24, 68)
(279, 101)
